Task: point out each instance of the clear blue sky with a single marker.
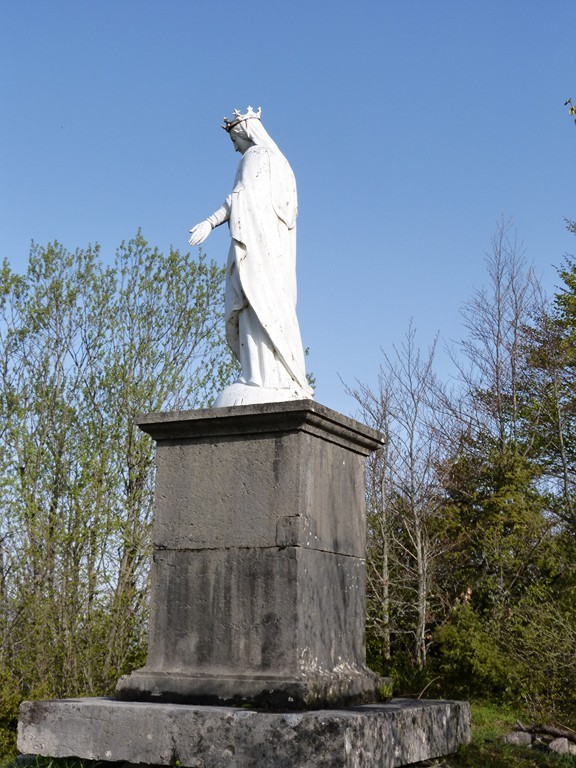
(411, 125)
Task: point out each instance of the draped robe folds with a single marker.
(261, 273)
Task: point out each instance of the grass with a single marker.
(494, 755)
(490, 723)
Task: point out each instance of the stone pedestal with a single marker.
(399, 733)
(258, 592)
(257, 600)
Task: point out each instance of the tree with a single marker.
(470, 504)
(513, 553)
(403, 504)
(492, 482)
(84, 348)
(375, 410)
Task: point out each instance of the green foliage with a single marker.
(491, 511)
(540, 652)
(469, 657)
(386, 691)
(490, 723)
(85, 348)
(521, 652)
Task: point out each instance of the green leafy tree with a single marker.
(84, 348)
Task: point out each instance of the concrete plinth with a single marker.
(258, 574)
(379, 736)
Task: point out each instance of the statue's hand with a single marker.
(200, 232)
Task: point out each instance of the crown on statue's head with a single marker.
(237, 117)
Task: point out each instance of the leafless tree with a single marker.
(404, 496)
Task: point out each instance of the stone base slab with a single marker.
(402, 732)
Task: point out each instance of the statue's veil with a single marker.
(255, 131)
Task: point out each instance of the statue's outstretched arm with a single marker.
(200, 232)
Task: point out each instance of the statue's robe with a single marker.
(261, 269)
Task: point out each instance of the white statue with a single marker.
(261, 324)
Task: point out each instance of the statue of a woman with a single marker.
(261, 324)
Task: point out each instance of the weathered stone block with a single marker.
(379, 736)
(265, 601)
(272, 646)
(258, 588)
(294, 484)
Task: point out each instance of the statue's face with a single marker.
(241, 143)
